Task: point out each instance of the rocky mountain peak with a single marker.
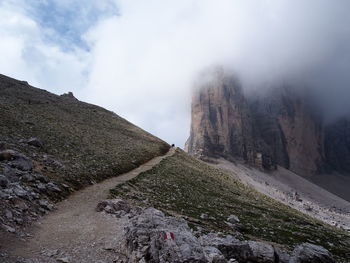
(278, 127)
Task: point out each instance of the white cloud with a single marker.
(25, 55)
(143, 60)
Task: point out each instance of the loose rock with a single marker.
(242, 251)
(309, 253)
(22, 162)
(233, 219)
(63, 260)
(8, 228)
(35, 142)
(113, 206)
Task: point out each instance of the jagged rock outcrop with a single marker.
(221, 125)
(151, 236)
(277, 127)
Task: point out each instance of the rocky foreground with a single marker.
(148, 235)
(25, 192)
(151, 236)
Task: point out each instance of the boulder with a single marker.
(113, 206)
(281, 255)
(35, 142)
(261, 252)
(309, 253)
(242, 251)
(153, 237)
(213, 255)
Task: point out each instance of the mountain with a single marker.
(278, 127)
(51, 146)
(78, 183)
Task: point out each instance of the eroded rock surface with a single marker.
(25, 193)
(150, 236)
(279, 127)
(154, 237)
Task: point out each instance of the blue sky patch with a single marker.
(65, 22)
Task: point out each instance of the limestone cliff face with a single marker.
(279, 128)
(220, 120)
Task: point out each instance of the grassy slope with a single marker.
(91, 142)
(183, 185)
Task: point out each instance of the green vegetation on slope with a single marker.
(82, 143)
(182, 185)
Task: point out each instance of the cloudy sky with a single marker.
(139, 58)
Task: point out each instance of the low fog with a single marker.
(143, 59)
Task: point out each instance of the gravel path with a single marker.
(75, 232)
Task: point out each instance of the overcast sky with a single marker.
(139, 58)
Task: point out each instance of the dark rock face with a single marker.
(280, 127)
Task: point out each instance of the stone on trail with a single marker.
(63, 260)
(113, 206)
(8, 228)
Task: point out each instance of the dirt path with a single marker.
(75, 232)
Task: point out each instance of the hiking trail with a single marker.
(75, 232)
